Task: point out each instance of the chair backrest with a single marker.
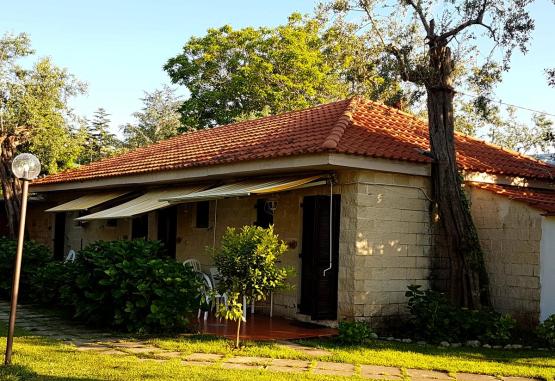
(207, 281)
(70, 256)
(215, 275)
(193, 263)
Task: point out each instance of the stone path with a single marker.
(87, 339)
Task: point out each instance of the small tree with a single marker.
(247, 265)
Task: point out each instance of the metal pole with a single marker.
(17, 272)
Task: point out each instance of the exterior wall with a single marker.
(510, 234)
(547, 264)
(196, 243)
(393, 243)
(40, 224)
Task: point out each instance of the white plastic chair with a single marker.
(193, 263)
(70, 256)
(209, 287)
(215, 275)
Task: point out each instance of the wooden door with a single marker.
(59, 235)
(167, 229)
(319, 291)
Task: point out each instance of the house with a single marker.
(346, 185)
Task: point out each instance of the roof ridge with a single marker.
(332, 140)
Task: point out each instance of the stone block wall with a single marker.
(510, 234)
(392, 243)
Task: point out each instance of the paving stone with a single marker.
(169, 355)
(286, 369)
(290, 363)
(380, 372)
(311, 351)
(249, 360)
(202, 357)
(197, 363)
(512, 378)
(227, 365)
(334, 369)
(427, 375)
(139, 350)
(474, 377)
(113, 352)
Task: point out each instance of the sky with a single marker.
(119, 47)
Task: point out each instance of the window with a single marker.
(264, 215)
(203, 214)
(112, 223)
(139, 227)
(167, 229)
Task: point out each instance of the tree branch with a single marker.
(418, 9)
(478, 20)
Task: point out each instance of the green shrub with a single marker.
(35, 257)
(355, 332)
(435, 319)
(47, 283)
(546, 330)
(129, 285)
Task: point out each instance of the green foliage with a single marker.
(435, 319)
(158, 120)
(247, 263)
(35, 257)
(237, 74)
(34, 105)
(98, 141)
(129, 285)
(355, 332)
(546, 330)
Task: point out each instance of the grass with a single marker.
(525, 363)
(38, 358)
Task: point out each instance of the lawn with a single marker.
(485, 361)
(37, 358)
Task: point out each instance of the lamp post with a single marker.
(25, 167)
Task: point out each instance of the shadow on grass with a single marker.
(22, 373)
(479, 354)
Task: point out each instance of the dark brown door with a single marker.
(59, 235)
(167, 229)
(319, 291)
(139, 227)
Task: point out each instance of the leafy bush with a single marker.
(435, 319)
(246, 262)
(35, 257)
(129, 285)
(355, 332)
(546, 330)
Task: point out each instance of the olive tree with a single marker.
(247, 263)
(428, 41)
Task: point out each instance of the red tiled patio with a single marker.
(261, 327)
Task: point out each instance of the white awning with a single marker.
(147, 202)
(248, 187)
(86, 202)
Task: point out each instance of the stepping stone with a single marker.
(381, 372)
(311, 351)
(513, 378)
(286, 369)
(262, 361)
(474, 377)
(113, 352)
(169, 355)
(227, 365)
(204, 357)
(138, 350)
(290, 363)
(334, 369)
(427, 375)
(197, 363)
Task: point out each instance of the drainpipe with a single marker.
(331, 229)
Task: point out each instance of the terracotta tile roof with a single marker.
(353, 126)
(542, 199)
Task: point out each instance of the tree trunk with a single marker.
(238, 332)
(11, 186)
(468, 283)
